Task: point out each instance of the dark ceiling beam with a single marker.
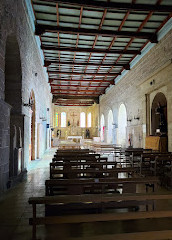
(89, 50)
(41, 29)
(76, 90)
(68, 101)
(64, 96)
(48, 63)
(82, 73)
(73, 105)
(116, 5)
(95, 17)
(62, 85)
(74, 80)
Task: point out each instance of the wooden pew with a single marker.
(99, 185)
(76, 151)
(79, 158)
(71, 146)
(68, 154)
(151, 235)
(147, 159)
(161, 164)
(96, 172)
(107, 149)
(73, 165)
(104, 163)
(34, 221)
(133, 155)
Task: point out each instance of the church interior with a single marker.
(86, 119)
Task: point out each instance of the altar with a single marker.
(75, 138)
(55, 142)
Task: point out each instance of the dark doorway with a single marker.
(13, 96)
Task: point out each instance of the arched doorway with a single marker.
(102, 128)
(122, 124)
(110, 127)
(33, 123)
(13, 75)
(159, 115)
(13, 96)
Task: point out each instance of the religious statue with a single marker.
(87, 133)
(162, 119)
(130, 139)
(58, 133)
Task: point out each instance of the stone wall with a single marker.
(4, 143)
(15, 22)
(152, 74)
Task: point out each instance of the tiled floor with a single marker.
(15, 212)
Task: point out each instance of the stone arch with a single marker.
(33, 125)
(102, 128)
(122, 124)
(13, 96)
(110, 127)
(159, 115)
(13, 75)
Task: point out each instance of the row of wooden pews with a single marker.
(86, 187)
(105, 148)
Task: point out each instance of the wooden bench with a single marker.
(111, 149)
(95, 171)
(74, 155)
(70, 165)
(149, 158)
(133, 155)
(34, 221)
(80, 151)
(79, 158)
(151, 235)
(161, 164)
(99, 185)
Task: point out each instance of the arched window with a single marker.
(56, 120)
(122, 124)
(102, 128)
(82, 120)
(110, 127)
(89, 120)
(63, 119)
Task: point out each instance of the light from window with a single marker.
(56, 120)
(63, 119)
(82, 120)
(89, 120)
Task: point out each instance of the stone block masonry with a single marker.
(135, 85)
(21, 73)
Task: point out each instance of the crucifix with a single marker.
(73, 115)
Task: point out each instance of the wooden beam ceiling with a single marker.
(89, 50)
(74, 97)
(92, 42)
(116, 5)
(53, 62)
(41, 29)
(82, 73)
(73, 105)
(70, 85)
(54, 90)
(83, 80)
